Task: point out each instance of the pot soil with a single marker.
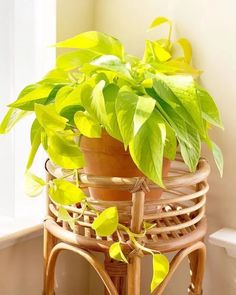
(106, 156)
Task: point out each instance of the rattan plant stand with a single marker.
(180, 225)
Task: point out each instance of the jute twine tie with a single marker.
(140, 185)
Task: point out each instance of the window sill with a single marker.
(15, 230)
(225, 238)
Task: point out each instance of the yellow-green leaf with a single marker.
(48, 118)
(187, 49)
(147, 147)
(106, 223)
(65, 216)
(75, 59)
(158, 21)
(116, 253)
(155, 52)
(33, 184)
(209, 109)
(11, 118)
(160, 270)
(71, 98)
(175, 66)
(56, 76)
(95, 41)
(36, 141)
(110, 93)
(148, 225)
(132, 111)
(114, 64)
(93, 101)
(87, 125)
(30, 95)
(218, 157)
(63, 150)
(65, 193)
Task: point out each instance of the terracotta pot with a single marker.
(106, 156)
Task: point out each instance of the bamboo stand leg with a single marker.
(88, 257)
(197, 267)
(134, 276)
(134, 266)
(198, 248)
(49, 241)
(117, 272)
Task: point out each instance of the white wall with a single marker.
(211, 27)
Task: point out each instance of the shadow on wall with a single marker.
(21, 270)
(179, 283)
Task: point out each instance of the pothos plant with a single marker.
(152, 104)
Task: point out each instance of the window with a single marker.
(27, 29)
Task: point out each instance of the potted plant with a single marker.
(115, 114)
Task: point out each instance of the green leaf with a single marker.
(65, 216)
(32, 94)
(110, 94)
(69, 113)
(114, 64)
(65, 193)
(187, 49)
(171, 115)
(160, 270)
(147, 147)
(116, 253)
(75, 59)
(97, 42)
(184, 88)
(52, 95)
(187, 136)
(33, 184)
(132, 111)
(87, 125)
(106, 223)
(11, 118)
(170, 143)
(192, 154)
(180, 93)
(209, 109)
(35, 143)
(63, 150)
(48, 117)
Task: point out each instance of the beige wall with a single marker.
(73, 16)
(21, 271)
(211, 27)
